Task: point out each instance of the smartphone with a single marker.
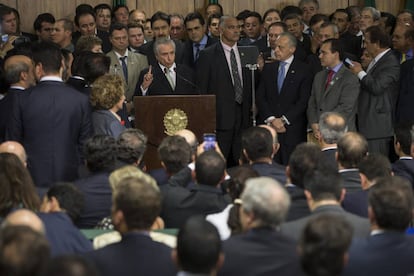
(349, 62)
(4, 38)
(209, 141)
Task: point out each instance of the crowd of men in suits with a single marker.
(342, 82)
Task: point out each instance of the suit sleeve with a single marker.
(14, 128)
(383, 78)
(261, 95)
(299, 110)
(85, 126)
(138, 91)
(203, 73)
(349, 97)
(311, 112)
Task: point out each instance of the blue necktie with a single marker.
(124, 68)
(197, 52)
(281, 75)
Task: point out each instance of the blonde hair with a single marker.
(107, 91)
(129, 171)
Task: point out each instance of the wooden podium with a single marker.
(159, 116)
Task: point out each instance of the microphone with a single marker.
(187, 81)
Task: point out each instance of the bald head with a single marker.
(19, 70)
(15, 148)
(25, 217)
(190, 137)
(352, 148)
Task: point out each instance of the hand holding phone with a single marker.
(209, 141)
(349, 62)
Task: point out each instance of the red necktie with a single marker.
(329, 79)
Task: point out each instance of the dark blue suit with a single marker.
(356, 203)
(352, 180)
(291, 101)
(98, 199)
(135, 254)
(404, 168)
(385, 254)
(179, 203)
(299, 205)
(52, 122)
(405, 111)
(5, 110)
(274, 170)
(63, 236)
(260, 251)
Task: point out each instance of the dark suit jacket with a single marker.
(294, 228)
(179, 203)
(189, 51)
(79, 84)
(185, 82)
(329, 158)
(356, 203)
(352, 180)
(63, 236)
(385, 254)
(105, 123)
(274, 170)
(214, 77)
(377, 99)
(340, 96)
(97, 195)
(135, 254)
(404, 168)
(260, 251)
(299, 207)
(52, 121)
(405, 111)
(6, 105)
(148, 50)
(292, 102)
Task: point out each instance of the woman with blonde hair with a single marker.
(107, 98)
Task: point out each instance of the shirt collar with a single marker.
(289, 60)
(336, 68)
(171, 68)
(380, 55)
(119, 56)
(51, 78)
(203, 41)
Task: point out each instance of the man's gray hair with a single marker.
(267, 199)
(376, 14)
(162, 41)
(332, 127)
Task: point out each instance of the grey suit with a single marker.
(340, 96)
(377, 99)
(294, 228)
(135, 64)
(105, 123)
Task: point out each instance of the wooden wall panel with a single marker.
(66, 8)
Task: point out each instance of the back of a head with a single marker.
(210, 167)
(257, 142)
(69, 197)
(303, 159)
(403, 136)
(375, 165)
(95, 65)
(132, 144)
(332, 126)
(139, 201)
(352, 148)
(175, 153)
(124, 172)
(198, 246)
(23, 251)
(48, 55)
(70, 266)
(24, 217)
(391, 203)
(324, 242)
(324, 184)
(267, 200)
(100, 153)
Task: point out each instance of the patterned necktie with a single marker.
(281, 75)
(403, 58)
(197, 52)
(124, 68)
(238, 89)
(169, 78)
(329, 78)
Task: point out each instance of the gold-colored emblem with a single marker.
(174, 120)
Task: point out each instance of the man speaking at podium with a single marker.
(167, 77)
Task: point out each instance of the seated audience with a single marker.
(70, 266)
(132, 144)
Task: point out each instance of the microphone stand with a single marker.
(252, 68)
